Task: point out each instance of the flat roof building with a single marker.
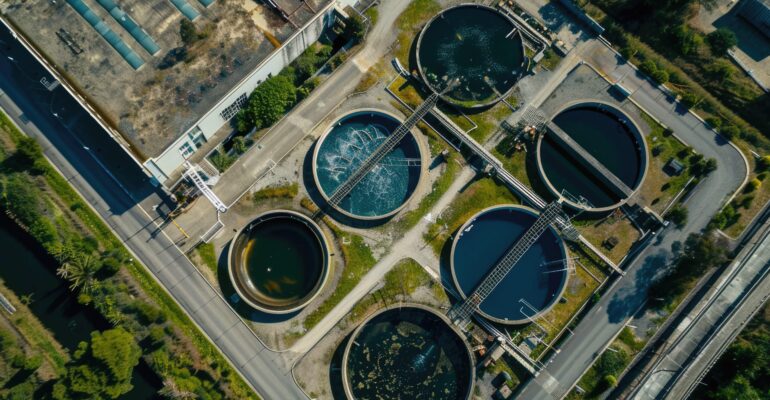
(757, 13)
(165, 99)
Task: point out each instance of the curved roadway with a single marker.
(628, 294)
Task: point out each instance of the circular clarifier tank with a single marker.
(477, 45)
(535, 282)
(597, 134)
(407, 352)
(279, 262)
(344, 147)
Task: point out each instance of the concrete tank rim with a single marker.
(322, 281)
(322, 138)
(442, 317)
(637, 134)
(517, 207)
(448, 99)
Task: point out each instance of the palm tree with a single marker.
(80, 271)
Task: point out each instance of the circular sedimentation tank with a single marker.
(407, 352)
(279, 262)
(343, 148)
(477, 45)
(535, 282)
(611, 138)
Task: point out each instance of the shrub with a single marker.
(690, 99)
(753, 185)
(267, 103)
(188, 32)
(660, 76)
(609, 381)
(354, 27)
(721, 40)
(763, 163)
(690, 41)
(715, 122)
(678, 215)
(648, 67)
(730, 131)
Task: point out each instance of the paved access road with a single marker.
(629, 293)
(285, 134)
(32, 106)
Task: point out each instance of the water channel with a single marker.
(28, 270)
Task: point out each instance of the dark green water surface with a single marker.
(408, 353)
(607, 139)
(473, 44)
(284, 259)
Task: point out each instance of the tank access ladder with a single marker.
(193, 174)
(461, 313)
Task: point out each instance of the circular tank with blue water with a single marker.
(407, 352)
(475, 44)
(611, 138)
(533, 285)
(279, 262)
(344, 147)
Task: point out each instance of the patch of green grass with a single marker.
(400, 282)
(550, 59)
(208, 256)
(288, 191)
(358, 261)
(481, 194)
(410, 22)
(658, 188)
(373, 13)
(440, 186)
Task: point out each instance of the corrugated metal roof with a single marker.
(108, 34)
(128, 23)
(186, 9)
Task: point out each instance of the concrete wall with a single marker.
(163, 166)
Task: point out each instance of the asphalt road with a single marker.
(629, 293)
(76, 146)
(702, 336)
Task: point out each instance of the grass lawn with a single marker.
(658, 188)
(288, 191)
(620, 228)
(409, 24)
(400, 283)
(479, 195)
(589, 273)
(440, 186)
(208, 256)
(550, 59)
(358, 261)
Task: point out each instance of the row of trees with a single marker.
(94, 263)
(701, 57)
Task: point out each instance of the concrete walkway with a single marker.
(289, 131)
(410, 245)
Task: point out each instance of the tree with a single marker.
(730, 131)
(678, 215)
(188, 32)
(690, 41)
(102, 370)
(267, 103)
(81, 272)
(721, 40)
(28, 156)
(354, 28)
(239, 144)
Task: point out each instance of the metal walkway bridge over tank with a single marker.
(461, 313)
(344, 189)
